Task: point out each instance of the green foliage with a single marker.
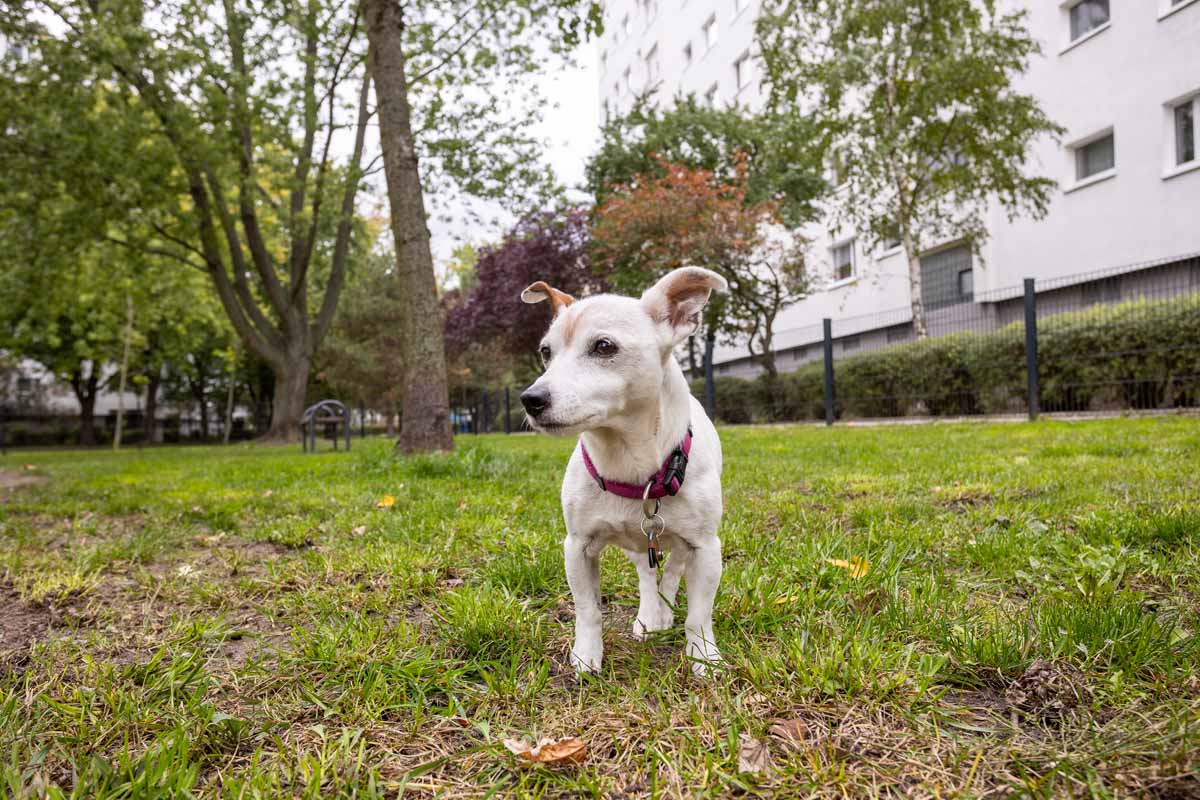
(1152, 363)
(780, 149)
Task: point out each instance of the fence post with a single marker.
(507, 411)
(710, 388)
(1031, 349)
(828, 325)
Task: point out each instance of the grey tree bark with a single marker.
(425, 413)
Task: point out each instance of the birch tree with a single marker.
(919, 109)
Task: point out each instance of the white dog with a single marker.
(611, 377)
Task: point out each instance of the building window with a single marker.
(711, 97)
(710, 32)
(743, 70)
(1087, 16)
(652, 70)
(942, 280)
(966, 284)
(1184, 118)
(891, 238)
(899, 334)
(687, 54)
(843, 261)
(1105, 290)
(1095, 157)
(798, 353)
(852, 343)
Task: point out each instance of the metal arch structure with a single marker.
(325, 411)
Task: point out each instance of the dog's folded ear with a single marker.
(539, 291)
(678, 298)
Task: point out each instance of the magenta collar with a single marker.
(664, 482)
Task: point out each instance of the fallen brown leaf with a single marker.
(568, 750)
(792, 732)
(753, 754)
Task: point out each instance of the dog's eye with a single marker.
(604, 347)
(545, 351)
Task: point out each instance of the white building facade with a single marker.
(1121, 76)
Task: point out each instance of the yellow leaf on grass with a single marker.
(857, 567)
(387, 502)
(568, 750)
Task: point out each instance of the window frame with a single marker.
(848, 245)
(1172, 166)
(711, 33)
(740, 64)
(1070, 43)
(1073, 37)
(1167, 7)
(1073, 150)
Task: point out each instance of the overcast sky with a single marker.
(571, 131)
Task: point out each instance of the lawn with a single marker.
(248, 622)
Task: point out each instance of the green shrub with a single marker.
(1139, 354)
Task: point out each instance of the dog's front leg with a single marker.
(583, 576)
(703, 576)
(653, 613)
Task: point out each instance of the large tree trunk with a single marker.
(153, 381)
(291, 389)
(425, 414)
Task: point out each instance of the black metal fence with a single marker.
(1098, 342)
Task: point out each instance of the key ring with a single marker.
(646, 498)
(657, 526)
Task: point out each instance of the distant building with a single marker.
(1122, 76)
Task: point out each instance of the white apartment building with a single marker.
(1123, 78)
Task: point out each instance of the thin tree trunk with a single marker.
(228, 412)
(425, 414)
(153, 381)
(914, 286)
(692, 371)
(85, 393)
(124, 372)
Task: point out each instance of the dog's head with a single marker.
(606, 355)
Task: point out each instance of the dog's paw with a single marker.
(647, 623)
(705, 658)
(586, 660)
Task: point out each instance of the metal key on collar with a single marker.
(652, 526)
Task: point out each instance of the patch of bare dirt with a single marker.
(12, 479)
(21, 624)
(1049, 690)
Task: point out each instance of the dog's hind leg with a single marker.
(583, 576)
(703, 576)
(653, 613)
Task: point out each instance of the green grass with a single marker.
(245, 622)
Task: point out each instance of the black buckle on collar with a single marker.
(676, 468)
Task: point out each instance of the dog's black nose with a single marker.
(535, 400)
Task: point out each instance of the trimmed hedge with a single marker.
(1139, 354)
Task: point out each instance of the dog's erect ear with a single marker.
(537, 292)
(679, 297)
